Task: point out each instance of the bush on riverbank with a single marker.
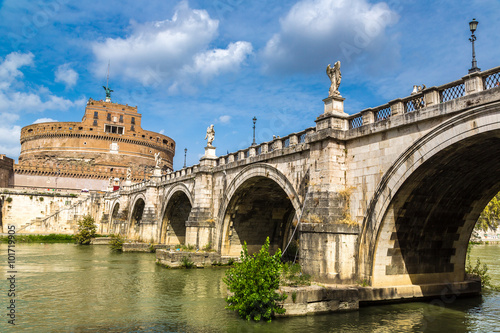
(254, 282)
(86, 230)
(51, 238)
(480, 270)
(116, 242)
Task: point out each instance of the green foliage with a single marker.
(52, 238)
(208, 248)
(152, 248)
(363, 283)
(292, 275)
(294, 296)
(186, 262)
(490, 215)
(479, 270)
(254, 282)
(187, 248)
(40, 199)
(9, 199)
(86, 230)
(116, 243)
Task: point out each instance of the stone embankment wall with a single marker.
(35, 212)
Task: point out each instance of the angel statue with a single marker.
(129, 174)
(210, 135)
(157, 159)
(108, 93)
(335, 77)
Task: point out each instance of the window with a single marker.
(133, 121)
(108, 118)
(113, 129)
(132, 128)
(95, 123)
(96, 115)
(121, 119)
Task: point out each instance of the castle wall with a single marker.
(6, 171)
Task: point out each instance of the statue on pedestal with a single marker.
(129, 173)
(210, 135)
(335, 77)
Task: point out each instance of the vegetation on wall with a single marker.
(253, 283)
(86, 230)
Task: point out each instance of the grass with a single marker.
(52, 238)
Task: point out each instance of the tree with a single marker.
(254, 282)
(490, 215)
(86, 230)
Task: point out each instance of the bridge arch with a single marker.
(115, 208)
(424, 209)
(177, 206)
(259, 202)
(138, 204)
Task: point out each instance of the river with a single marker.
(69, 288)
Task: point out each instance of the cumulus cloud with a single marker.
(225, 119)
(171, 51)
(16, 99)
(44, 120)
(320, 31)
(66, 75)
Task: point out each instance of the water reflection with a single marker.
(68, 288)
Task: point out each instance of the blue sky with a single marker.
(189, 64)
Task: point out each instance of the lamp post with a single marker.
(185, 154)
(472, 39)
(254, 121)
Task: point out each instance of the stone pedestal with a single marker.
(209, 152)
(334, 104)
(157, 172)
(334, 116)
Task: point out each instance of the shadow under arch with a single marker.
(259, 202)
(137, 210)
(178, 204)
(422, 214)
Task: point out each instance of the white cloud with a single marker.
(44, 120)
(161, 131)
(224, 119)
(16, 99)
(9, 67)
(175, 51)
(66, 75)
(315, 32)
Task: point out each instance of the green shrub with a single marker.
(186, 263)
(40, 199)
(253, 282)
(86, 230)
(116, 243)
(9, 199)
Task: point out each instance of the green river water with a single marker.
(69, 288)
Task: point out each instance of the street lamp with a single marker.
(185, 153)
(472, 39)
(254, 121)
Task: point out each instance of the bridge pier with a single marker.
(200, 225)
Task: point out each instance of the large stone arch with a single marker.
(113, 213)
(256, 179)
(424, 209)
(137, 211)
(176, 208)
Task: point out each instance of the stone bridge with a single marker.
(389, 195)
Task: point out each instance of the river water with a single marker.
(69, 288)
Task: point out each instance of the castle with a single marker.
(92, 153)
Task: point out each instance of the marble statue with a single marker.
(157, 159)
(210, 135)
(335, 77)
(129, 173)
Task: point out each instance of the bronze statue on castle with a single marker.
(108, 93)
